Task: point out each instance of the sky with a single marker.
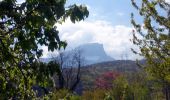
(108, 24)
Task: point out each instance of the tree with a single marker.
(105, 81)
(154, 40)
(139, 86)
(70, 64)
(23, 27)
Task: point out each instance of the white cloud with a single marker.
(116, 39)
(120, 14)
(20, 1)
(167, 1)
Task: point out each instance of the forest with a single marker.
(26, 26)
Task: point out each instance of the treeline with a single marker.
(118, 86)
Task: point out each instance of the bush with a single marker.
(61, 94)
(98, 94)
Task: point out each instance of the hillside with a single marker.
(91, 72)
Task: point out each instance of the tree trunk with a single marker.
(167, 91)
(77, 77)
(166, 94)
(169, 20)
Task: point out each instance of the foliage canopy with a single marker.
(154, 40)
(23, 28)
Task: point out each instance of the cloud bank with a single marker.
(115, 39)
(167, 1)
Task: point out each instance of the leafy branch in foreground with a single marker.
(23, 28)
(154, 40)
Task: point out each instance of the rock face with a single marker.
(94, 53)
(91, 52)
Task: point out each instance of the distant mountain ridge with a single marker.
(92, 53)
